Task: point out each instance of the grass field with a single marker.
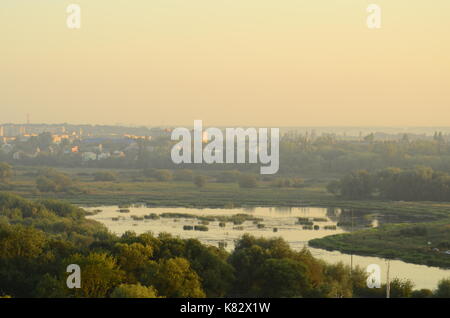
(131, 188)
(423, 243)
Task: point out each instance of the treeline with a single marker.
(299, 154)
(38, 240)
(418, 184)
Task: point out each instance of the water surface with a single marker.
(284, 220)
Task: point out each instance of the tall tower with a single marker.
(28, 119)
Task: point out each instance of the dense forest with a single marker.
(418, 184)
(39, 239)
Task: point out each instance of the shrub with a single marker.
(229, 176)
(184, 175)
(162, 175)
(105, 176)
(200, 181)
(248, 181)
(134, 291)
(6, 172)
(50, 180)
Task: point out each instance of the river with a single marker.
(272, 222)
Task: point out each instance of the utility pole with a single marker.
(388, 282)
(351, 254)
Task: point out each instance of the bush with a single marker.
(229, 176)
(288, 183)
(6, 172)
(134, 291)
(200, 181)
(248, 181)
(184, 175)
(162, 175)
(105, 176)
(50, 180)
(443, 290)
(202, 228)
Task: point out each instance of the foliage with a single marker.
(158, 174)
(200, 181)
(418, 184)
(134, 291)
(6, 172)
(183, 175)
(175, 278)
(50, 180)
(100, 274)
(248, 181)
(443, 289)
(105, 176)
(38, 239)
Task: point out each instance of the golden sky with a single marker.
(227, 62)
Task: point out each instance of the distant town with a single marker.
(121, 145)
(84, 141)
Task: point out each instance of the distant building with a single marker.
(118, 154)
(18, 155)
(103, 156)
(88, 156)
(7, 148)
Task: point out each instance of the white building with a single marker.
(87, 156)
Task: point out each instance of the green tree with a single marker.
(50, 180)
(100, 274)
(210, 263)
(105, 176)
(401, 288)
(248, 181)
(134, 291)
(422, 293)
(133, 258)
(200, 181)
(6, 172)
(175, 278)
(443, 289)
(357, 185)
(334, 187)
(162, 175)
(283, 278)
(20, 242)
(251, 253)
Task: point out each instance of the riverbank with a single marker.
(423, 243)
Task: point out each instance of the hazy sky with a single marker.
(227, 62)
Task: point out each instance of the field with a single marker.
(130, 187)
(424, 243)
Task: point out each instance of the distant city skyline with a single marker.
(16, 129)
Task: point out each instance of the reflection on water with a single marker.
(297, 225)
